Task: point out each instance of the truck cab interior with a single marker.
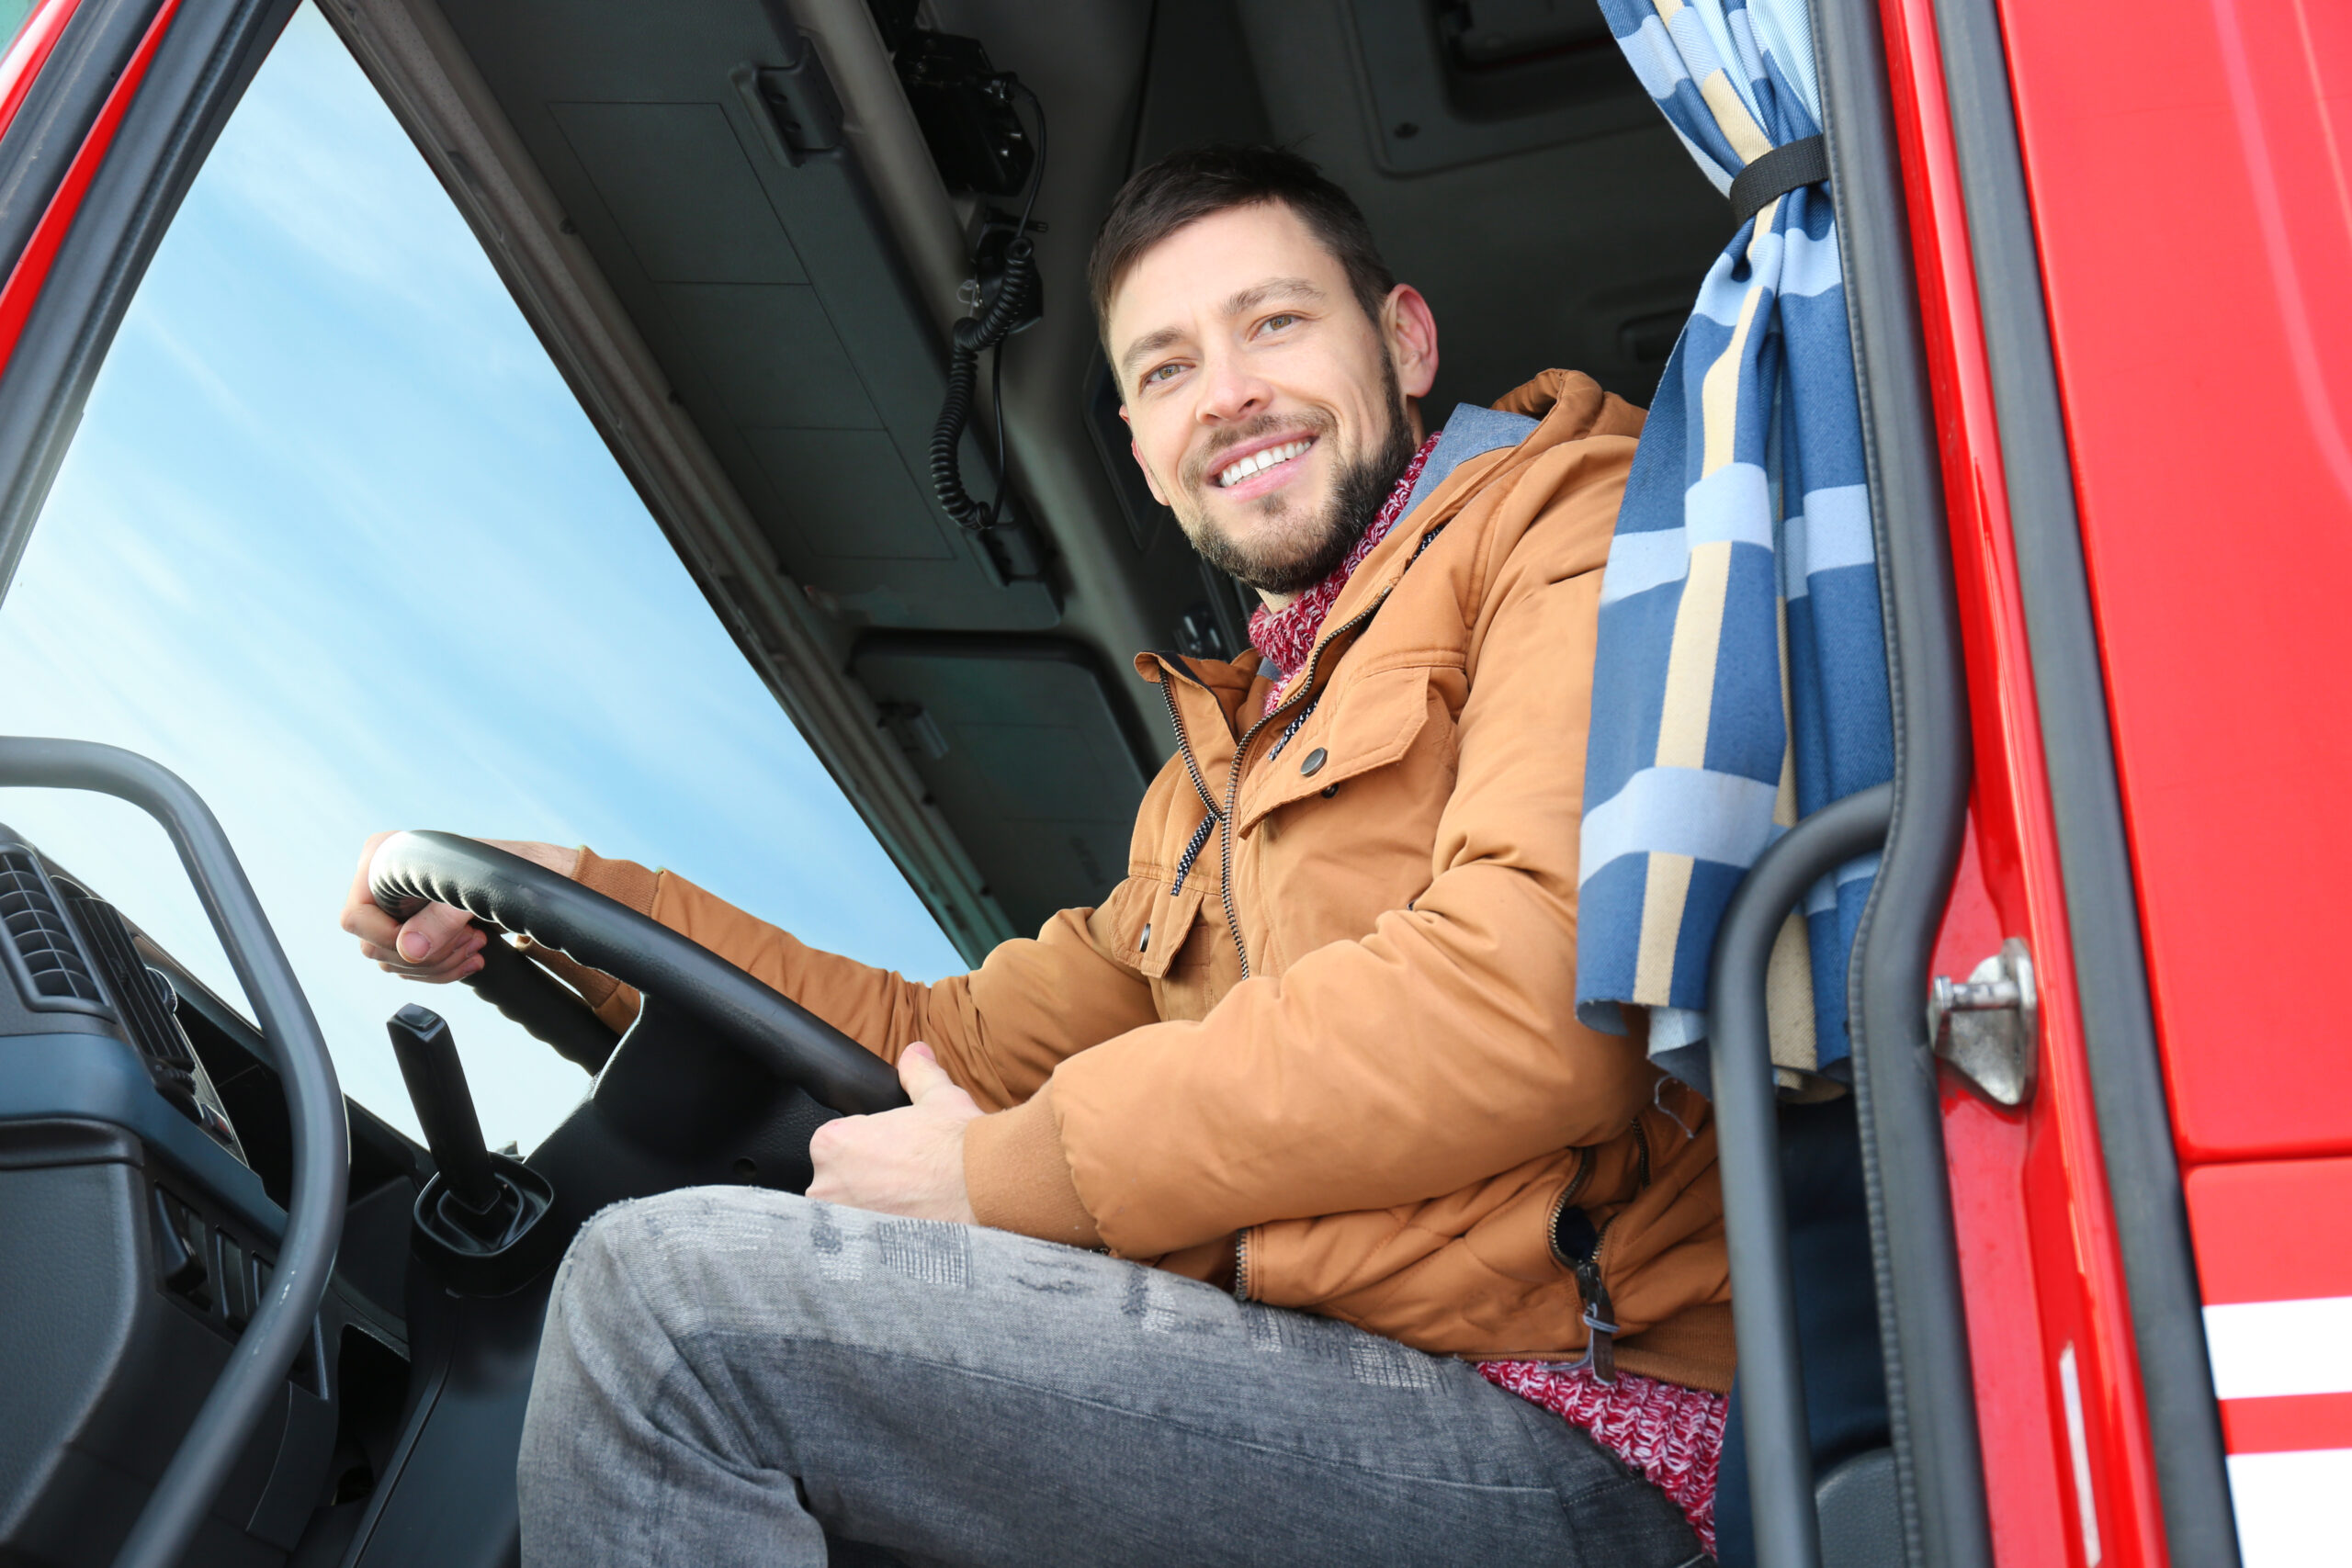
(745, 232)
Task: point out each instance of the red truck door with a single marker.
(2182, 224)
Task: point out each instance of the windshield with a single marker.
(336, 543)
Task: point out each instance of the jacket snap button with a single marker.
(1314, 763)
(1330, 790)
(1145, 945)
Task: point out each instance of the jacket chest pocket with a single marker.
(1375, 723)
(1171, 925)
(1189, 959)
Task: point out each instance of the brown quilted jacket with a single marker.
(1334, 1060)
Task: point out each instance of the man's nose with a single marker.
(1230, 393)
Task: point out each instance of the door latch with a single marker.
(1985, 1025)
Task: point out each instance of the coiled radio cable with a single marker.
(1004, 309)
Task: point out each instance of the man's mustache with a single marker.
(1195, 471)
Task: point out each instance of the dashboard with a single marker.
(145, 1157)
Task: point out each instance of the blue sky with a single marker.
(335, 543)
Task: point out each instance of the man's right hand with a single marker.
(437, 943)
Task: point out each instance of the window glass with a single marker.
(336, 543)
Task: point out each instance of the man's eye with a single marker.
(1276, 324)
(1160, 373)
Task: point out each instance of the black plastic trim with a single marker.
(1747, 1134)
(1930, 1387)
(255, 1376)
(43, 1142)
(199, 72)
(98, 1076)
(2094, 854)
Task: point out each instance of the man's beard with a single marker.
(1309, 553)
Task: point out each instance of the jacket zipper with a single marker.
(1569, 1193)
(1225, 836)
(1184, 744)
(1599, 1313)
(1232, 781)
(1641, 1185)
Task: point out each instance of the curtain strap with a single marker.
(1777, 172)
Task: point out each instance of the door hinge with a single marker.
(1985, 1026)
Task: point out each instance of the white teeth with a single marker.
(1256, 461)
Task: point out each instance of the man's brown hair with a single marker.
(1186, 187)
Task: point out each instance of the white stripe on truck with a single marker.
(2289, 1508)
(2263, 1349)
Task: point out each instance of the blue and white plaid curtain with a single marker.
(1741, 682)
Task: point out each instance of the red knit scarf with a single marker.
(1286, 637)
(1673, 1435)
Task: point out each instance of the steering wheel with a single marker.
(720, 1078)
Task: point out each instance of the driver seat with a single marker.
(1837, 1329)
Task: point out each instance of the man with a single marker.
(1388, 1233)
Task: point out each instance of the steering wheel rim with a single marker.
(556, 912)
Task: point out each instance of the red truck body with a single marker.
(2188, 172)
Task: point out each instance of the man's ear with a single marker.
(1151, 480)
(1410, 330)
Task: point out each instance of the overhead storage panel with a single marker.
(724, 231)
(771, 293)
(1023, 746)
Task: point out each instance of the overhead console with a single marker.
(701, 161)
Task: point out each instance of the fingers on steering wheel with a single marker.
(437, 943)
(432, 942)
(370, 925)
(377, 928)
(453, 962)
(360, 916)
(434, 933)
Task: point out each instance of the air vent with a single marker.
(137, 991)
(51, 969)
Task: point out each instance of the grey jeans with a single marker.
(733, 1376)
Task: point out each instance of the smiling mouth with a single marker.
(1258, 462)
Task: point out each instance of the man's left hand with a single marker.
(908, 1161)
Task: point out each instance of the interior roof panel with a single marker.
(727, 234)
(771, 352)
(771, 293)
(822, 474)
(1023, 741)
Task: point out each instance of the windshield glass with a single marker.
(336, 543)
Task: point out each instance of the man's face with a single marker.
(1267, 411)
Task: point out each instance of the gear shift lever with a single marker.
(437, 1087)
(479, 1217)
